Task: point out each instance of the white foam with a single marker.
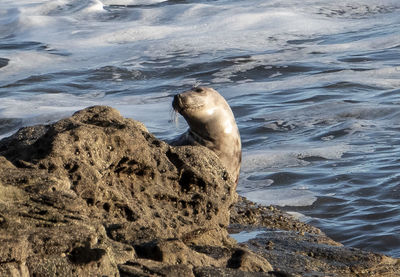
(47, 108)
(132, 2)
(289, 156)
(384, 77)
(210, 27)
(299, 216)
(282, 197)
(94, 6)
(246, 236)
(29, 61)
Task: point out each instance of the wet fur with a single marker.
(211, 124)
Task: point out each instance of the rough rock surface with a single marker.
(303, 250)
(96, 194)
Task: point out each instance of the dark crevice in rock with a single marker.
(84, 255)
(110, 231)
(236, 259)
(129, 167)
(149, 250)
(3, 221)
(132, 269)
(189, 181)
(127, 212)
(106, 207)
(194, 234)
(71, 168)
(174, 159)
(89, 201)
(212, 251)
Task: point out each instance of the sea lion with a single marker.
(211, 124)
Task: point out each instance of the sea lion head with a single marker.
(211, 124)
(205, 110)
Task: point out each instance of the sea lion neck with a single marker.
(215, 127)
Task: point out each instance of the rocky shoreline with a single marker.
(96, 194)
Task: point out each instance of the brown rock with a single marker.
(297, 249)
(96, 194)
(247, 261)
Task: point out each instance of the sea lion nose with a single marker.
(176, 98)
(176, 101)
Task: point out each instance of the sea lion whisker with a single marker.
(174, 117)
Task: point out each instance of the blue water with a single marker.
(314, 85)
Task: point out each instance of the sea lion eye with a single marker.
(198, 89)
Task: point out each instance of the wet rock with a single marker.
(247, 261)
(228, 272)
(247, 213)
(313, 255)
(96, 194)
(297, 249)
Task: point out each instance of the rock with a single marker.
(247, 261)
(123, 172)
(96, 194)
(296, 249)
(309, 254)
(228, 272)
(247, 213)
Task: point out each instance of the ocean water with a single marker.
(314, 85)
